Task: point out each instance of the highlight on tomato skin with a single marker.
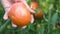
(19, 14)
(34, 5)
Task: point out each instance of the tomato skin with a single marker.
(19, 14)
(39, 15)
(34, 6)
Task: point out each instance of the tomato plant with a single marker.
(35, 5)
(19, 14)
(39, 14)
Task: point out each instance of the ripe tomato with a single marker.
(34, 6)
(19, 14)
(39, 14)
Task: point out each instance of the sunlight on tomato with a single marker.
(19, 14)
(34, 5)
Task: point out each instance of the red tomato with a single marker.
(34, 6)
(19, 14)
(40, 14)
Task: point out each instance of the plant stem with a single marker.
(4, 25)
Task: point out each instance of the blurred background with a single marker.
(47, 19)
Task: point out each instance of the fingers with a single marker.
(6, 3)
(32, 11)
(13, 25)
(24, 27)
(24, 1)
(17, 0)
(5, 17)
(32, 19)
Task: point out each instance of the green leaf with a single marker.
(28, 1)
(53, 22)
(1, 10)
(49, 18)
(54, 19)
(31, 27)
(41, 29)
(4, 25)
(36, 11)
(56, 31)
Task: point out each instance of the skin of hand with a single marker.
(7, 4)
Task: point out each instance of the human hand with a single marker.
(7, 4)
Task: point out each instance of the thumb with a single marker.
(32, 19)
(5, 17)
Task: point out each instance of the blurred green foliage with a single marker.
(49, 24)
